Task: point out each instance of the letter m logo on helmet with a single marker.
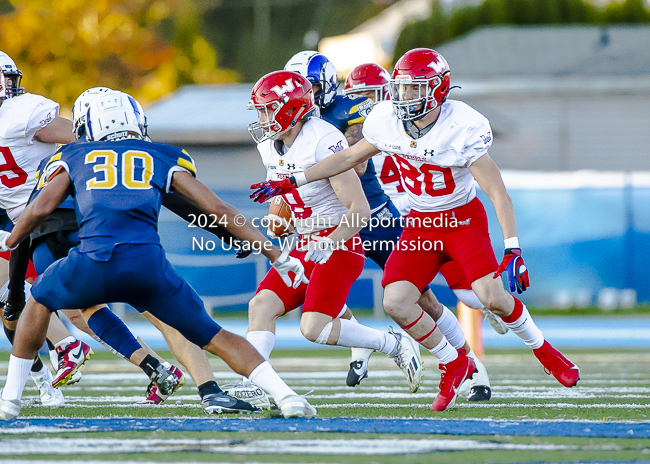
(288, 86)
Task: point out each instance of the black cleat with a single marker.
(479, 393)
(358, 371)
(218, 403)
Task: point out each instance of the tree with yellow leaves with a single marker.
(64, 47)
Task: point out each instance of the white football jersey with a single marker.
(20, 154)
(433, 168)
(391, 182)
(315, 206)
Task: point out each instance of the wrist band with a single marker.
(300, 179)
(512, 242)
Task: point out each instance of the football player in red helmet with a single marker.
(369, 80)
(441, 147)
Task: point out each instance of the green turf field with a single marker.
(614, 387)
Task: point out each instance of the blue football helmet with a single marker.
(319, 71)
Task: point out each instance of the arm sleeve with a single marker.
(43, 114)
(331, 143)
(478, 140)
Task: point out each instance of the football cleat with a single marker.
(453, 375)
(249, 392)
(555, 363)
(479, 384)
(495, 321)
(154, 395)
(167, 380)
(221, 403)
(296, 406)
(71, 358)
(358, 371)
(407, 357)
(9, 409)
(50, 396)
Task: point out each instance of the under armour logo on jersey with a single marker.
(486, 138)
(281, 90)
(428, 152)
(438, 66)
(337, 147)
(291, 166)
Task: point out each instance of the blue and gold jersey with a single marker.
(346, 111)
(118, 189)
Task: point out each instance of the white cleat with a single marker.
(407, 357)
(9, 409)
(50, 396)
(249, 392)
(296, 406)
(495, 321)
(479, 385)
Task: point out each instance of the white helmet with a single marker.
(115, 116)
(80, 108)
(8, 69)
(318, 70)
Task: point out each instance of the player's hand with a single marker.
(320, 249)
(266, 190)
(242, 251)
(286, 264)
(4, 235)
(513, 265)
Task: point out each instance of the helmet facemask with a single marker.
(13, 90)
(413, 98)
(270, 129)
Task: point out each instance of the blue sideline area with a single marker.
(345, 425)
(564, 332)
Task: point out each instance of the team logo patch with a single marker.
(281, 162)
(414, 144)
(364, 108)
(337, 147)
(487, 138)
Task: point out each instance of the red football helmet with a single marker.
(420, 83)
(282, 98)
(368, 77)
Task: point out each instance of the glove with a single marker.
(515, 269)
(320, 249)
(267, 190)
(287, 264)
(242, 252)
(4, 235)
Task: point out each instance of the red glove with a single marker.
(515, 269)
(267, 190)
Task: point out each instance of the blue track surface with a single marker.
(344, 425)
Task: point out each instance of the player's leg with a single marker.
(359, 356)
(408, 272)
(151, 284)
(30, 336)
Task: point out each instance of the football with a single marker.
(281, 221)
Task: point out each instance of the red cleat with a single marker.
(555, 363)
(71, 358)
(453, 375)
(155, 396)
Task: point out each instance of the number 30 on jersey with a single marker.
(136, 169)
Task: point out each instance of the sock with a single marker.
(50, 345)
(267, 379)
(359, 353)
(444, 351)
(262, 341)
(208, 387)
(39, 374)
(521, 323)
(54, 359)
(356, 335)
(16, 377)
(10, 334)
(450, 328)
(149, 365)
(469, 298)
(66, 341)
(38, 364)
(110, 328)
